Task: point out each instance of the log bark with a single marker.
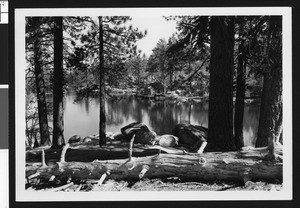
(244, 165)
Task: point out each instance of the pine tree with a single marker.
(114, 42)
(220, 121)
(102, 125)
(58, 83)
(34, 43)
(218, 32)
(270, 121)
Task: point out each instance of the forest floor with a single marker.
(170, 184)
(87, 152)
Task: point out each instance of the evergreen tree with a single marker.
(36, 34)
(270, 121)
(58, 83)
(115, 42)
(102, 124)
(218, 32)
(136, 68)
(220, 121)
(240, 96)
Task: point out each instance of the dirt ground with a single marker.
(169, 184)
(160, 185)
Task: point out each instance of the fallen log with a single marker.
(244, 165)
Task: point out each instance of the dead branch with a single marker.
(62, 187)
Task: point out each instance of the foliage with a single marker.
(137, 76)
(119, 46)
(178, 68)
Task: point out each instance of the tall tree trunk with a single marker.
(240, 98)
(41, 97)
(58, 76)
(102, 123)
(220, 136)
(270, 119)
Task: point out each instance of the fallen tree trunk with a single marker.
(244, 165)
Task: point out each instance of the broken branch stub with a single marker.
(130, 147)
(145, 168)
(43, 158)
(107, 173)
(63, 153)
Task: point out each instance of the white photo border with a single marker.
(23, 195)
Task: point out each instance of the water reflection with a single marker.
(82, 117)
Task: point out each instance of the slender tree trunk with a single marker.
(220, 136)
(41, 97)
(240, 97)
(58, 76)
(102, 124)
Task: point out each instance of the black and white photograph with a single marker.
(153, 104)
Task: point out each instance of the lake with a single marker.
(82, 117)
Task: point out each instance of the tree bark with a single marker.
(40, 91)
(270, 119)
(58, 83)
(240, 98)
(245, 165)
(102, 123)
(220, 136)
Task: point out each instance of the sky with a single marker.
(157, 27)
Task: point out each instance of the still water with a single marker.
(82, 117)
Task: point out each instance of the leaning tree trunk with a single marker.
(220, 136)
(240, 98)
(102, 123)
(270, 119)
(58, 76)
(41, 97)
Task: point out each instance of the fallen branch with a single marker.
(37, 174)
(79, 187)
(62, 187)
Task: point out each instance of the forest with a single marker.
(225, 61)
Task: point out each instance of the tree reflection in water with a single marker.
(82, 116)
